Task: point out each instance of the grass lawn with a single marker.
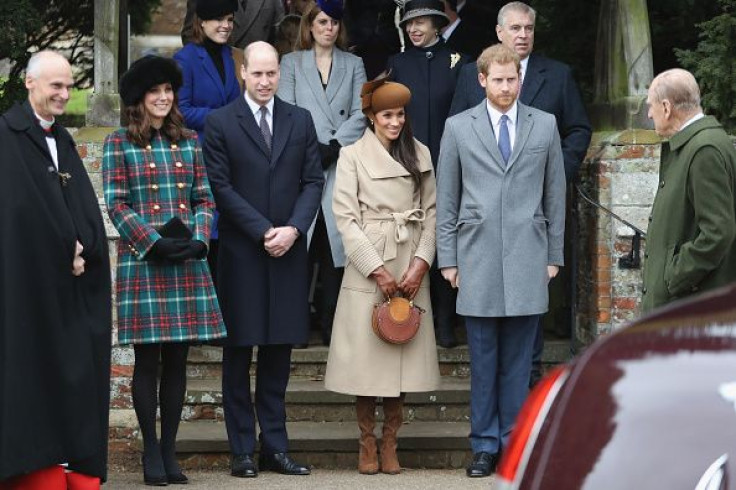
(77, 105)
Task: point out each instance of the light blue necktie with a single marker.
(504, 140)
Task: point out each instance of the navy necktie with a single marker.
(504, 141)
(265, 130)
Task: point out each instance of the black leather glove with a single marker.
(194, 249)
(329, 153)
(164, 248)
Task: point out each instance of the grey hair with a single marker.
(516, 7)
(679, 87)
(35, 64)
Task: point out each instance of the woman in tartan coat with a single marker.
(153, 171)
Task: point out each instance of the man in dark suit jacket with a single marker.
(264, 167)
(547, 85)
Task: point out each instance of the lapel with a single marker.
(524, 125)
(337, 75)
(533, 81)
(311, 73)
(378, 163)
(209, 68)
(481, 124)
(248, 122)
(282, 124)
(252, 9)
(21, 118)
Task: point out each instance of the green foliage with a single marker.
(713, 62)
(34, 25)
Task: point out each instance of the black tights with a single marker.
(159, 458)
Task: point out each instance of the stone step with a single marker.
(203, 444)
(308, 400)
(205, 361)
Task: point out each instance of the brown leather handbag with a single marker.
(396, 320)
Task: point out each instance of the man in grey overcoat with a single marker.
(500, 227)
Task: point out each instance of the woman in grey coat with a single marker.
(322, 78)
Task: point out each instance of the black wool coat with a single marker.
(431, 74)
(54, 327)
(264, 300)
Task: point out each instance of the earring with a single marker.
(371, 121)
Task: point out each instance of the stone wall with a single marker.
(621, 173)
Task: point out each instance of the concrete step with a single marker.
(203, 444)
(308, 400)
(205, 361)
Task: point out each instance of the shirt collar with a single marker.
(255, 107)
(696, 117)
(450, 29)
(495, 115)
(524, 65)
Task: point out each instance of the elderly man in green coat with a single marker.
(690, 241)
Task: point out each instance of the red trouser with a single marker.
(52, 478)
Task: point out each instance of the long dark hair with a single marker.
(139, 124)
(403, 150)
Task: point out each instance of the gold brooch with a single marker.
(454, 58)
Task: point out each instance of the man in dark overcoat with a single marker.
(692, 229)
(264, 168)
(547, 85)
(55, 308)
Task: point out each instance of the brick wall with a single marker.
(620, 172)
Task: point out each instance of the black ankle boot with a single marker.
(154, 473)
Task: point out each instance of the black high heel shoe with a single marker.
(154, 480)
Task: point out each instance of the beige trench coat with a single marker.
(384, 219)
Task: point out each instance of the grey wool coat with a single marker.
(336, 112)
(384, 218)
(500, 224)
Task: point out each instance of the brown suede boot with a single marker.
(392, 419)
(365, 409)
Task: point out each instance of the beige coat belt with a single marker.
(398, 222)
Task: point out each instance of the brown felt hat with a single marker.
(381, 94)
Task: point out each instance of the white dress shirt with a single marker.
(255, 107)
(496, 121)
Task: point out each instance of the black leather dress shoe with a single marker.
(243, 466)
(483, 465)
(281, 463)
(177, 479)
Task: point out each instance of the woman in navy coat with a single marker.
(430, 69)
(209, 76)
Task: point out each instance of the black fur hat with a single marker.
(146, 72)
(214, 9)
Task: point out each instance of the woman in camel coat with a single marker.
(384, 205)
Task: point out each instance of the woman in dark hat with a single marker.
(326, 80)
(384, 205)
(159, 199)
(430, 69)
(209, 79)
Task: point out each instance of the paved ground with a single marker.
(319, 479)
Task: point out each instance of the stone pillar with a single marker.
(103, 105)
(624, 67)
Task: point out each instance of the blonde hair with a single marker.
(499, 54)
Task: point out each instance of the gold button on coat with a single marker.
(182, 206)
(152, 165)
(156, 207)
(180, 185)
(154, 187)
(178, 164)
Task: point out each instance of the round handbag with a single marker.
(396, 320)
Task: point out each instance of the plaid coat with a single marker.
(144, 188)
